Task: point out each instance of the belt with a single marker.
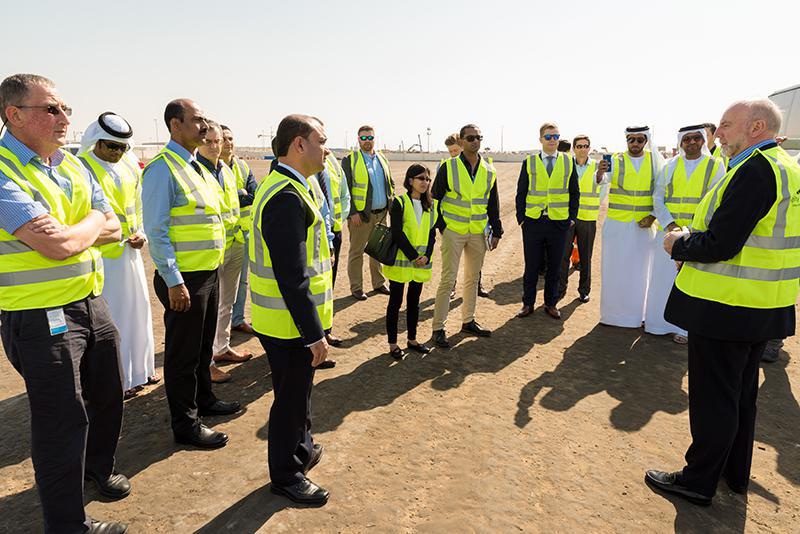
(379, 211)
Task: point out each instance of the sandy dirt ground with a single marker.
(546, 427)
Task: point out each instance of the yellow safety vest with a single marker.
(360, 176)
(765, 274)
(548, 192)
(196, 230)
(29, 280)
(122, 199)
(336, 175)
(630, 197)
(270, 315)
(229, 206)
(717, 153)
(241, 170)
(464, 206)
(684, 194)
(418, 234)
(589, 208)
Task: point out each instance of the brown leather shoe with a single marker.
(218, 376)
(359, 295)
(553, 312)
(524, 311)
(333, 341)
(247, 328)
(232, 356)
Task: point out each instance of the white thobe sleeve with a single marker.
(659, 193)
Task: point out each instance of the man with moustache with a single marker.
(182, 220)
(292, 300)
(737, 288)
(679, 188)
(371, 192)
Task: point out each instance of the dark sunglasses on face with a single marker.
(550, 137)
(52, 109)
(366, 137)
(116, 146)
(637, 140)
(693, 139)
(424, 178)
(581, 146)
(471, 138)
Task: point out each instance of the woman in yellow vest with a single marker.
(413, 216)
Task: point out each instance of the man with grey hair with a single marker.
(736, 289)
(56, 328)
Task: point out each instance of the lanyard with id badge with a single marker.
(56, 321)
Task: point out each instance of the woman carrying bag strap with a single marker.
(413, 220)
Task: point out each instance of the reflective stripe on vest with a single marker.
(765, 273)
(360, 177)
(464, 206)
(682, 200)
(28, 279)
(242, 171)
(548, 192)
(270, 314)
(631, 194)
(589, 208)
(229, 205)
(336, 176)
(418, 234)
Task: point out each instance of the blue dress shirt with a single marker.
(160, 194)
(16, 206)
(744, 154)
(377, 179)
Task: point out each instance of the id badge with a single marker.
(56, 321)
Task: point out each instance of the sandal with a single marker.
(680, 339)
(397, 354)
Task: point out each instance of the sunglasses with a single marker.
(637, 140)
(119, 147)
(693, 139)
(581, 146)
(366, 137)
(550, 137)
(52, 109)
(471, 138)
(423, 178)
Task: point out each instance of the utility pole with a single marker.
(429, 139)
(501, 138)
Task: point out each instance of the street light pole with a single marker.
(429, 140)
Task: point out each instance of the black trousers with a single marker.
(393, 309)
(585, 231)
(540, 236)
(74, 390)
(723, 387)
(188, 343)
(289, 441)
(337, 247)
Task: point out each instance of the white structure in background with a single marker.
(789, 102)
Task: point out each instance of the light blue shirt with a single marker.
(16, 206)
(160, 194)
(325, 211)
(377, 179)
(746, 153)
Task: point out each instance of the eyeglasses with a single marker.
(550, 137)
(423, 178)
(366, 137)
(637, 140)
(471, 138)
(213, 141)
(581, 146)
(52, 109)
(119, 147)
(693, 139)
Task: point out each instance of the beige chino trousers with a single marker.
(474, 248)
(359, 236)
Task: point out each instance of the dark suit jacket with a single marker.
(284, 225)
(522, 193)
(747, 199)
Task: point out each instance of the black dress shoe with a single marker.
(397, 353)
(203, 437)
(583, 298)
(107, 527)
(669, 483)
(114, 487)
(303, 492)
(316, 456)
(383, 290)
(220, 408)
(482, 292)
(359, 295)
(327, 364)
(440, 339)
(524, 311)
(419, 347)
(474, 328)
(741, 489)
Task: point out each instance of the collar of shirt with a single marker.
(369, 157)
(299, 176)
(208, 165)
(747, 151)
(25, 154)
(468, 165)
(544, 154)
(179, 150)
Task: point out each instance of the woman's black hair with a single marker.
(415, 169)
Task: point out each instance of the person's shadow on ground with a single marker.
(621, 362)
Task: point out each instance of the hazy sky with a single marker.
(591, 67)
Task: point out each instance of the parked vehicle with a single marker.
(789, 102)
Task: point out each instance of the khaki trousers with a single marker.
(229, 273)
(474, 248)
(359, 235)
